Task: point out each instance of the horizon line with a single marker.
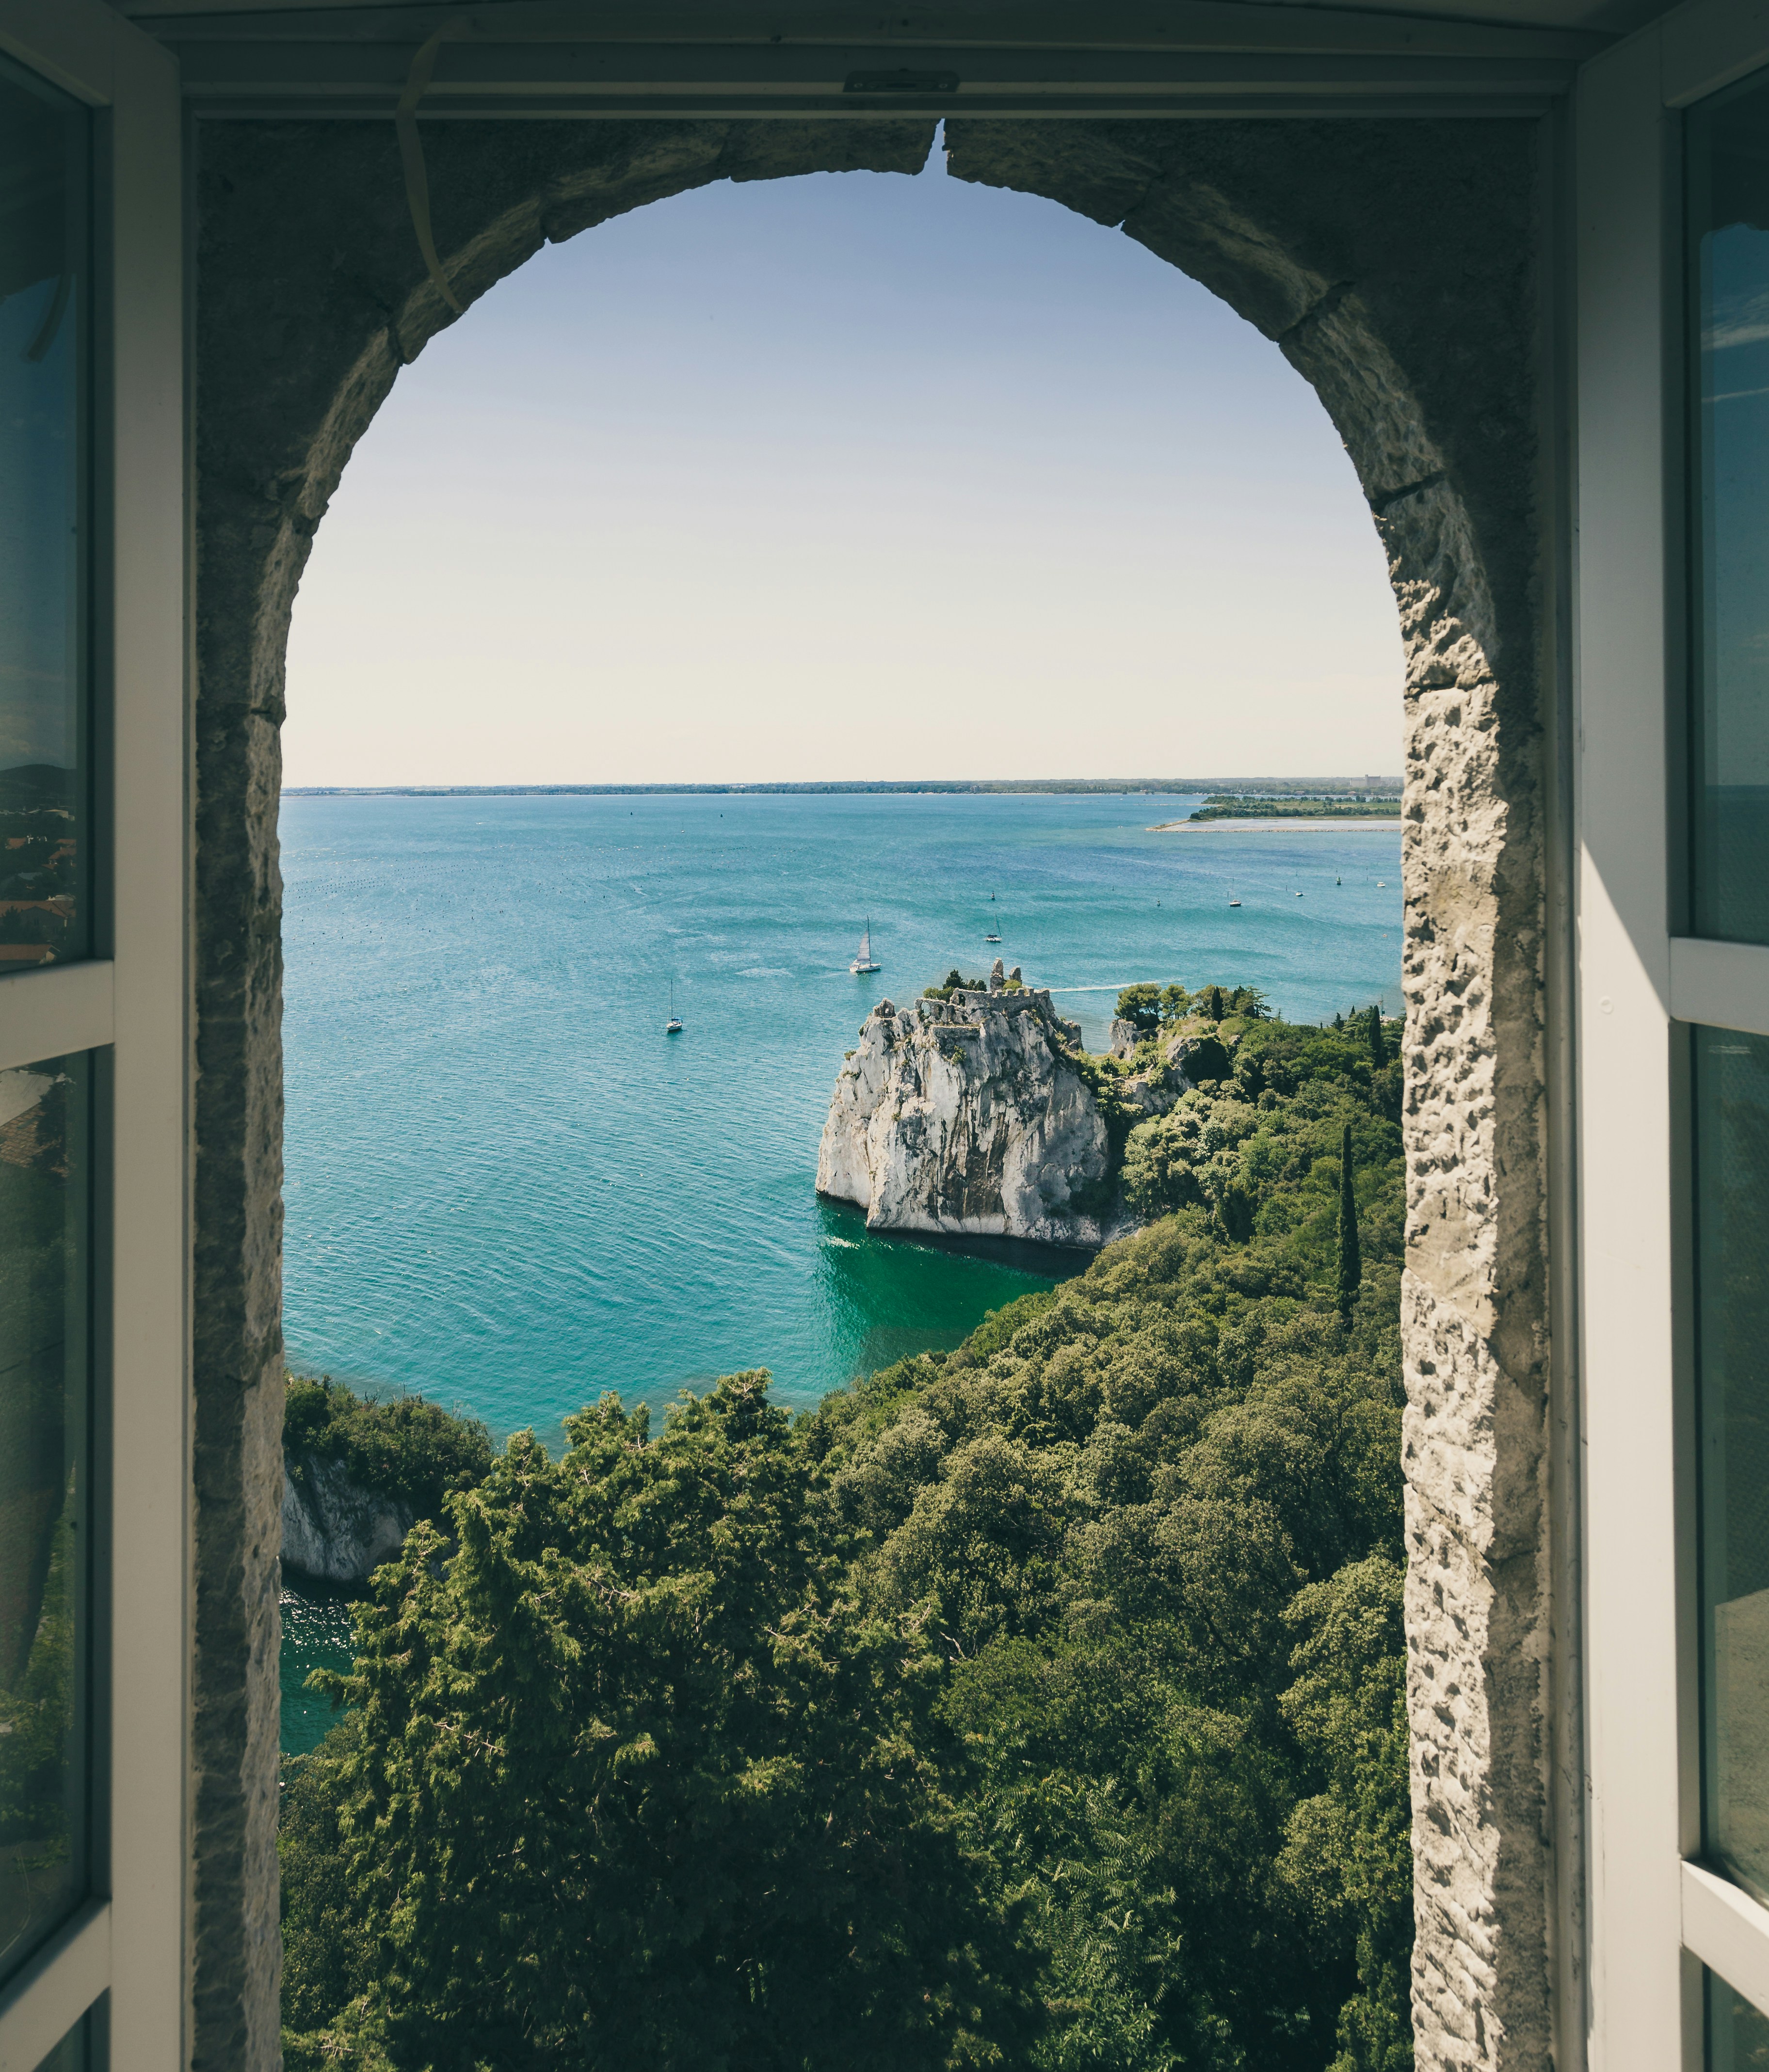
(1143, 787)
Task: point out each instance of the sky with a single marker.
(850, 476)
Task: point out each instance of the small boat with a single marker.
(991, 937)
(673, 1026)
(862, 960)
(1234, 902)
(1298, 895)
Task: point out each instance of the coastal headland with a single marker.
(1094, 1620)
(976, 1111)
(1336, 823)
(1269, 811)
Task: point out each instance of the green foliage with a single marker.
(1037, 1704)
(1348, 1857)
(1154, 1532)
(1142, 1005)
(1205, 1057)
(1364, 807)
(1351, 1270)
(639, 1780)
(955, 981)
(403, 1446)
(326, 1953)
(1100, 1078)
(1260, 1147)
(997, 1329)
(1379, 1050)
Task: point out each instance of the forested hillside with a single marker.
(1034, 1704)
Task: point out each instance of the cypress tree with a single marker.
(1351, 1259)
(1379, 1049)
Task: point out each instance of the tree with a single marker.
(1379, 1049)
(1141, 1005)
(1039, 1704)
(637, 1782)
(1349, 1851)
(1204, 1057)
(1351, 1260)
(1211, 1002)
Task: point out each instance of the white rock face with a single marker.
(967, 1115)
(1124, 1038)
(333, 1529)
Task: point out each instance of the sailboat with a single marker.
(1233, 900)
(862, 960)
(673, 1026)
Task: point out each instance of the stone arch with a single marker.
(1394, 263)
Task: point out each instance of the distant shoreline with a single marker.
(1312, 823)
(1285, 787)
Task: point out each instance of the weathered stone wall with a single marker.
(310, 298)
(1392, 261)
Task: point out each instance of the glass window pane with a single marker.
(76, 2052)
(45, 912)
(1738, 2032)
(45, 1266)
(1728, 178)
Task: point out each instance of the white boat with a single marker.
(673, 1026)
(862, 960)
(991, 937)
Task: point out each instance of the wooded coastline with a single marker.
(1036, 1703)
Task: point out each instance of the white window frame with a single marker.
(130, 1940)
(1655, 1915)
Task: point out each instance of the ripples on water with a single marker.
(316, 1635)
(509, 1190)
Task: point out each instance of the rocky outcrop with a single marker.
(334, 1530)
(971, 1116)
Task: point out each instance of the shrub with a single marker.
(400, 1445)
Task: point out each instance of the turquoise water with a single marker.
(507, 1188)
(316, 1635)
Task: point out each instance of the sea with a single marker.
(510, 1191)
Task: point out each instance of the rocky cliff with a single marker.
(334, 1530)
(973, 1115)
